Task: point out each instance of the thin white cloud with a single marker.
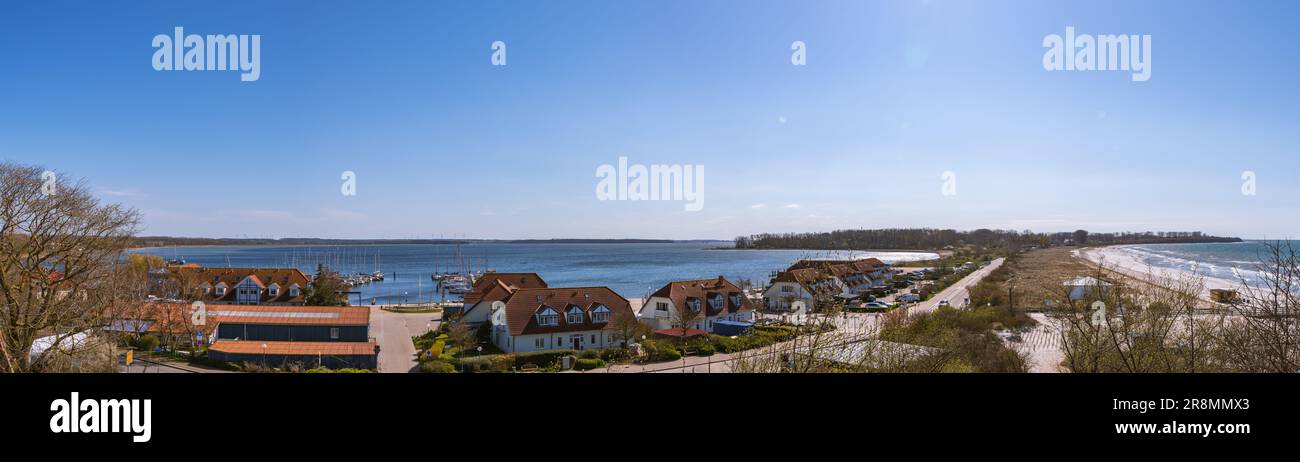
(793, 206)
(757, 206)
(121, 192)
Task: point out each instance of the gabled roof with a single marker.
(805, 277)
(285, 277)
(523, 304)
(702, 289)
(489, 286)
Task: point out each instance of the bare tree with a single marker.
(1136, 325)
(1263, 332)
(627, 328)
(59, 250)
(461, 336)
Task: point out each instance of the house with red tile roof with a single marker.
(856, 276)
(243, 286)
(707, 300)
(493, 287)
(808, 284)
(576, 318)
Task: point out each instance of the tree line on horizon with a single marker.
(933, 239)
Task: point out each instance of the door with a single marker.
(576, 341)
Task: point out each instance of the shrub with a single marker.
(614, 354)
(586, 364)
(667, 354)
(435, 351)
(541, 359)
(486, 363)
(705, 350)
(656, 351)
(147, 342)
(589, 354)
(437, 367)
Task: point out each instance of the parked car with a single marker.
(943, 303)
(877, 305)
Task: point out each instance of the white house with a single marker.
(804, 284)
(708, 301)
(577, 318)
(856, 276)
(494, 287)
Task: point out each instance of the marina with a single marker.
(427, 273)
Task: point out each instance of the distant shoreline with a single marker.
(159, 242)
(940, 252)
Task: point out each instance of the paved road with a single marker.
(146, 365)
(955, 294)
(393, 331)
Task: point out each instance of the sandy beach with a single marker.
(1116, 258)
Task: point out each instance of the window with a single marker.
(273, 290)
(693, 304)
(715, 301)
(221, 290)
(600, 314)
(294, 290)
(574, 316)
(787, 288)
(548, 317)
(661, 306)
(539, 343)
(559, 341)
(334, 333)
(593, 339)
(735, 300)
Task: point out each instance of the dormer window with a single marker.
(574, 316)
(600, 314)
(715, 301)
(220, 290)
(693, 304)
(294, 290)
(735, 299)
(548, 317)
(273, 290)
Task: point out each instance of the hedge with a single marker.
(541, 359)
(586, 364)
(437, 367)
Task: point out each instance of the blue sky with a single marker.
(443, 143)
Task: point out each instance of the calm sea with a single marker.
(1226, 261)
(632, 270)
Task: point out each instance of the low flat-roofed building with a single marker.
(356, 355)
(328, 336)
